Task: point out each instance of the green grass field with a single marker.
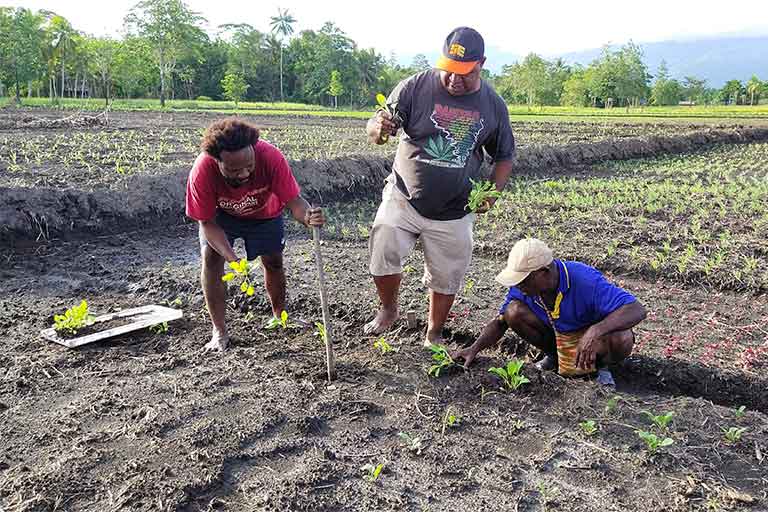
(711, 113)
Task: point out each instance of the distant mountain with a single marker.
(717, 59)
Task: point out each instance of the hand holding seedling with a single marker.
(482, 196)
(386, 122)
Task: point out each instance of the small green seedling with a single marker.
(161, 328)
(442, 358)
(517, 425)
(242, 270)
(662, 420)
(740, 412)
(481, 192)
(510, 375)
(589, 427)
(320, 332)
(371, 473)
(73, 319)
(654, 442)
(384, 347)
(391, 108)
(611, 404)
(733, 434)
(281, 322)
(450, 419)
(413, 443)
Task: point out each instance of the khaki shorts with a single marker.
(447, 244)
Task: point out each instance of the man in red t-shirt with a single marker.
(238, 188)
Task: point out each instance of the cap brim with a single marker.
(511, 278)
(455, 66)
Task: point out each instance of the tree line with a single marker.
(166, 54)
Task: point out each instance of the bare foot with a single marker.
(218, 343)
(434, 337)
(383, 321)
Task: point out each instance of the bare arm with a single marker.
(500, 175)
(623, 319)
(492, 333)
(217, 239)
(304, 213)
(501, 172)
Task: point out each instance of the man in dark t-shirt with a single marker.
(451, 119)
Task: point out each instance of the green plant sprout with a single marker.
(740, 412)
(281, 322)
(161, 328)
(391, 108)
(611, 404)
(321, 332)
(442, 358)
(589, 427)
(413, 443)
(733, 434)
(384, 347)
(481, 192)
(510, 375)
(450, 419)
(240, 269)
(654, 442)
(662, 420)
(73, 319)
(371, 473)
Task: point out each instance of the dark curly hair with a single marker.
(229, 134)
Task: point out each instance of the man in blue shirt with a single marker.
(566, 309)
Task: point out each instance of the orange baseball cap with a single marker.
(463, 49)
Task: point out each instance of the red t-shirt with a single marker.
(271, 186)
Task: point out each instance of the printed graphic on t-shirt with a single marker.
(246, 205)
(459, 131)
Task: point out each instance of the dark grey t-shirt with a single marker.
(442, 143)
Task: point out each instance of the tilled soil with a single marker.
(149, 422)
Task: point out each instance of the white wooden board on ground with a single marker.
(141, 318)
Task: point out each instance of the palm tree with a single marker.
(282, 24)
(753, 86)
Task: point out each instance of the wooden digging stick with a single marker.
(331, 362)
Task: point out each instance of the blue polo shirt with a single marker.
(584, 297)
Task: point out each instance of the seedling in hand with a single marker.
(442, 358)
(371, 473)
(382, 104)
(481, 192)
(654, 442)
(73, 319)
(589, 427)
(733, 435)
(241, 270)
(510, 375)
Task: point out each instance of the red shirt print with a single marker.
(272, 185)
